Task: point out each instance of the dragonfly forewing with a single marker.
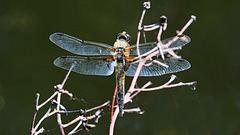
(180, 42)
(86, 65)
(80, 47)
(154, 69)
(145, 47)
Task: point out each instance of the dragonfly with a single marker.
(93, 58)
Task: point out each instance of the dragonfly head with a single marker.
(123, 36)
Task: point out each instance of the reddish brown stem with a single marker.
(113, 101)
(61, 129)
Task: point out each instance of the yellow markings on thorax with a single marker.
(123, 44)
(130, 59)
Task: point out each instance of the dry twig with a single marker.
(82, 120)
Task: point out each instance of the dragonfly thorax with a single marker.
(119, 50)
(120, 43)
(119, 53)
(121, 47)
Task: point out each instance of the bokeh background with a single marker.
(27, 56)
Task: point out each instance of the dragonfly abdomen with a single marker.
(120, 82)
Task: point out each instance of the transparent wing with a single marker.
(145, 47)
(175, 65)
(86, 65)
(80, 47)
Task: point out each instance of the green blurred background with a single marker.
(27, 67)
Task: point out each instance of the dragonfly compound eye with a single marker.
(123, 36)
